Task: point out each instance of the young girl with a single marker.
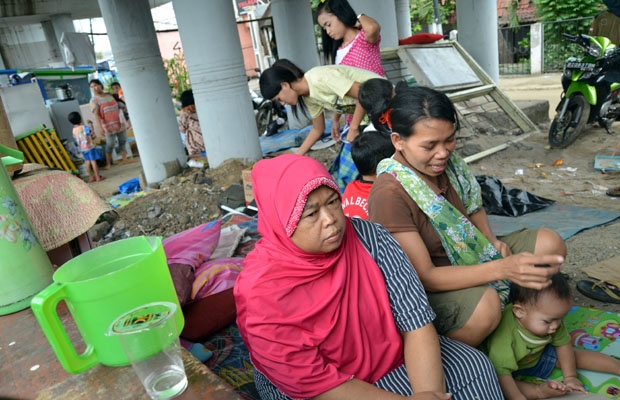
(349, 39)
(329, 87)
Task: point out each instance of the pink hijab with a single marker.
(311, 322)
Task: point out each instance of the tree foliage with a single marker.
(553, 10)
(178, 77)
(570, 16)
(423, 12)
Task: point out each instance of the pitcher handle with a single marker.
(44, 306)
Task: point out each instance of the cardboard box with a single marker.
(246, 176)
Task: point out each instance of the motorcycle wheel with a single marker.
(605, 120)
(565, 132)
(263, 118)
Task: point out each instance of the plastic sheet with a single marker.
(498, 199)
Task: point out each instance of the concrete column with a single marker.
(385, 13)
(145, 85)
(294, 31)
(6, 133)
(61, 23)
(536, 48)
(4, 79)
(477, 22)
(403, 18)
(215, 64)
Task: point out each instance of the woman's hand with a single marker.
(502, 247)
(529, 270)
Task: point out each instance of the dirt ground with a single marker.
(194, 196)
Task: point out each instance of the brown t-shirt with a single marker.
(390, 205)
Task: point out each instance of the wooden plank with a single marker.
(470, 93)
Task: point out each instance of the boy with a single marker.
(84, 138)
(367, 150)
(531, 340)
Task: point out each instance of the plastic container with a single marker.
(25, 270)
(99, 286)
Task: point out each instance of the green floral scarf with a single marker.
(463, 242)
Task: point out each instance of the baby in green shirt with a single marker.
(531, 340)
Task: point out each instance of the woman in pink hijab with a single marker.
(331, 307)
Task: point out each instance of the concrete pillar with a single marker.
(4, 79)
(216, 71)
(6, 133)
(61, 23)
(294, 31)
(536, 48)
(477, 22)
(145, 85)
(385, 13)
(403, 18)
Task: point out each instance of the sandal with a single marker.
(613, 192)
(599, 290)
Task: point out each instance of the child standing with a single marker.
(531, 340)
(84, 137)
(367, 150)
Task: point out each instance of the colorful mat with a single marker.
(595, 330)
(564, 219)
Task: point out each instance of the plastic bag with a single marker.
(132, 185)
(498, 199)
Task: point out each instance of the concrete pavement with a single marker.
(533, 87)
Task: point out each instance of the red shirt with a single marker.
(355, 199)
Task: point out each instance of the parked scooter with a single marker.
(270, 116)
(591, 90)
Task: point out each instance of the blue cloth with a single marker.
(91, 155)
(288, 138)
(564, 219)
(343, 169)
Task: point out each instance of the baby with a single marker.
(531, 340)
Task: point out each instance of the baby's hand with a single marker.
(574, 384)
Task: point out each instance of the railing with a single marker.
(555, 49)
(522, 52)
(514, 50)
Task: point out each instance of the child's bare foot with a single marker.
(552, 389)
(107, 166)
(100, 178)
(574, 385)
(92, 179)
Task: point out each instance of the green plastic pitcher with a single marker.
(25, 270)
(99, 286)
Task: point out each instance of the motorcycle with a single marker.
(591, 90)
(270, 115)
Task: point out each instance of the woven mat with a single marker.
(60, 205)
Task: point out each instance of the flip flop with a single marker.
(613, 192)
(599, 290)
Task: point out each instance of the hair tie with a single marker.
(386, 118)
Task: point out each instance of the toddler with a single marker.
(84, 137)
(531, 340)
